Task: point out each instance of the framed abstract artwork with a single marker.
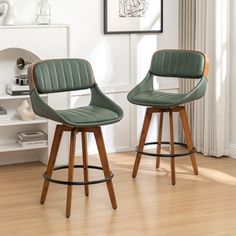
(133, 16)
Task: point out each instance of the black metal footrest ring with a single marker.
(165, 155)
(57, 181)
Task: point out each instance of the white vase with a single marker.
(25, 112)
(43, 16)
(10, 13)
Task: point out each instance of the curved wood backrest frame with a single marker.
(206, 67)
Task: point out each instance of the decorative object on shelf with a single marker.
(3, 114)
(21, 63)
(21, 80)
(25, 112)
(22, 66)
(3, 111)
(133, 16)
(43, 16)
(1, 12)
(10, 14)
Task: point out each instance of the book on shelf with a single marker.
(16, 93)
(25, 76)
(17, 87)
(36, 143)
(28, 136)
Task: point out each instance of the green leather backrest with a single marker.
(178, 63)
(61, 75)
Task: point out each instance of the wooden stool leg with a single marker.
(159, 139)
(52, 160)
(85, 161)
(187, 133)
(172, 146)
(143, 136)
(105, 164)
(70, 171)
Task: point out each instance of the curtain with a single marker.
(210, 122)
(187, 41)
(211, 114)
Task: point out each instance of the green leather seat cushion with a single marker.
(158, 98)
(88, 116)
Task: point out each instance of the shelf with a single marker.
(7, 96)
(15, 121)
(34, 26)
(10, 147)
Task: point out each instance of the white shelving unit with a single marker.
(5, 96)
(13, 119)
(26, 42)
(13, 147)
(9, 128)
(16, 121)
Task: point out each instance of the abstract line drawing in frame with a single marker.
(133, 16)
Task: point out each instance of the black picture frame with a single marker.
(119, 21)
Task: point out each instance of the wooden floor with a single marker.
(149, 205)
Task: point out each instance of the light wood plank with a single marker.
(149, 205)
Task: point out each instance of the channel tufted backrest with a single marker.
(178, 63)
(61, 75)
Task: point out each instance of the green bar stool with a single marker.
(169, 63)
(54, 76)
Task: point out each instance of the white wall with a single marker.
(119, 61)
